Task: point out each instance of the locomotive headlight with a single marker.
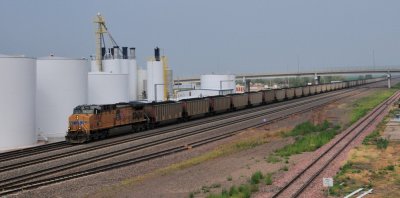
(77, 117)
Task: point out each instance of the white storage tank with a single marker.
(155, 78)
(93, 66)
(112, 66)
(142, 83)
(17, 101)
(133, 75)
(218, 82)
(155, 81)
(61, 86)
(107, 88)
(124, 66)
(133, 80)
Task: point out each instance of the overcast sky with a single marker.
(220, 36)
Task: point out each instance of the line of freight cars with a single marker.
(91, 122)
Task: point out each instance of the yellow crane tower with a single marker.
(100, 31)
(164, 60)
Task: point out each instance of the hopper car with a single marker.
(92, 122)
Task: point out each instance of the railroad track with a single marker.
(33, 150)
(304, 178)
(27, 152)
(203, 129)
(161, 132)
(62, 145)
(22, 182)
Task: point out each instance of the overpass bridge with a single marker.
(315, 73)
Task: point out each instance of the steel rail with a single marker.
(350, 131)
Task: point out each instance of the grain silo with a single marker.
(133, 75)
(17, 101)
(107, 88)
(61, 86)
(155, 78)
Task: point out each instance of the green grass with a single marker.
(268, 179)
(363, 105)
(308, 137)
(307, 128)
(244, 190)
(382, 143)
(273, 159)
(371, 138)
(256, 177)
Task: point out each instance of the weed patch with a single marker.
(363, 105)
(308, 137)
(273, 159)
(268, 179)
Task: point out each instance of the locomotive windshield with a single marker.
(87, 109)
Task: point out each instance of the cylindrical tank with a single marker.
(133, 79)
(155, 81)
(142, 84)
(112, 66)
(124, 66)
(93, 66)
(61, 86)
(17, 101)
(107, 88)
(218, 82)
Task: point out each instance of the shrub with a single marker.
(268, 179)
(390, 168)
(233, 191)
(382, 143)
(256, 177)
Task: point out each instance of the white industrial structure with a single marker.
(155, 78)
(218, 82)
(38, 96)
(133, 76)
(61, 86)
(17, 101)
(112, 66)
(211, 85)
(142, 84)
(107, 88)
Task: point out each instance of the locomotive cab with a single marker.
(79, 123)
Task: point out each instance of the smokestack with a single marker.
(132, 53)
(112, 52)
(116, 52)
(124, 52)
(157, 53)
(103, 52)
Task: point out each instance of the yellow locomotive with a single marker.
(91, 122)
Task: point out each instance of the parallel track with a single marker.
(147, 135)
(18, 183)
(303, 179)
(33, 150)
(26, 152)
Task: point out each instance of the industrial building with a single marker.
(39, 94)
(211, 85)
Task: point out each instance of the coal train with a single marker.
(92, 122)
